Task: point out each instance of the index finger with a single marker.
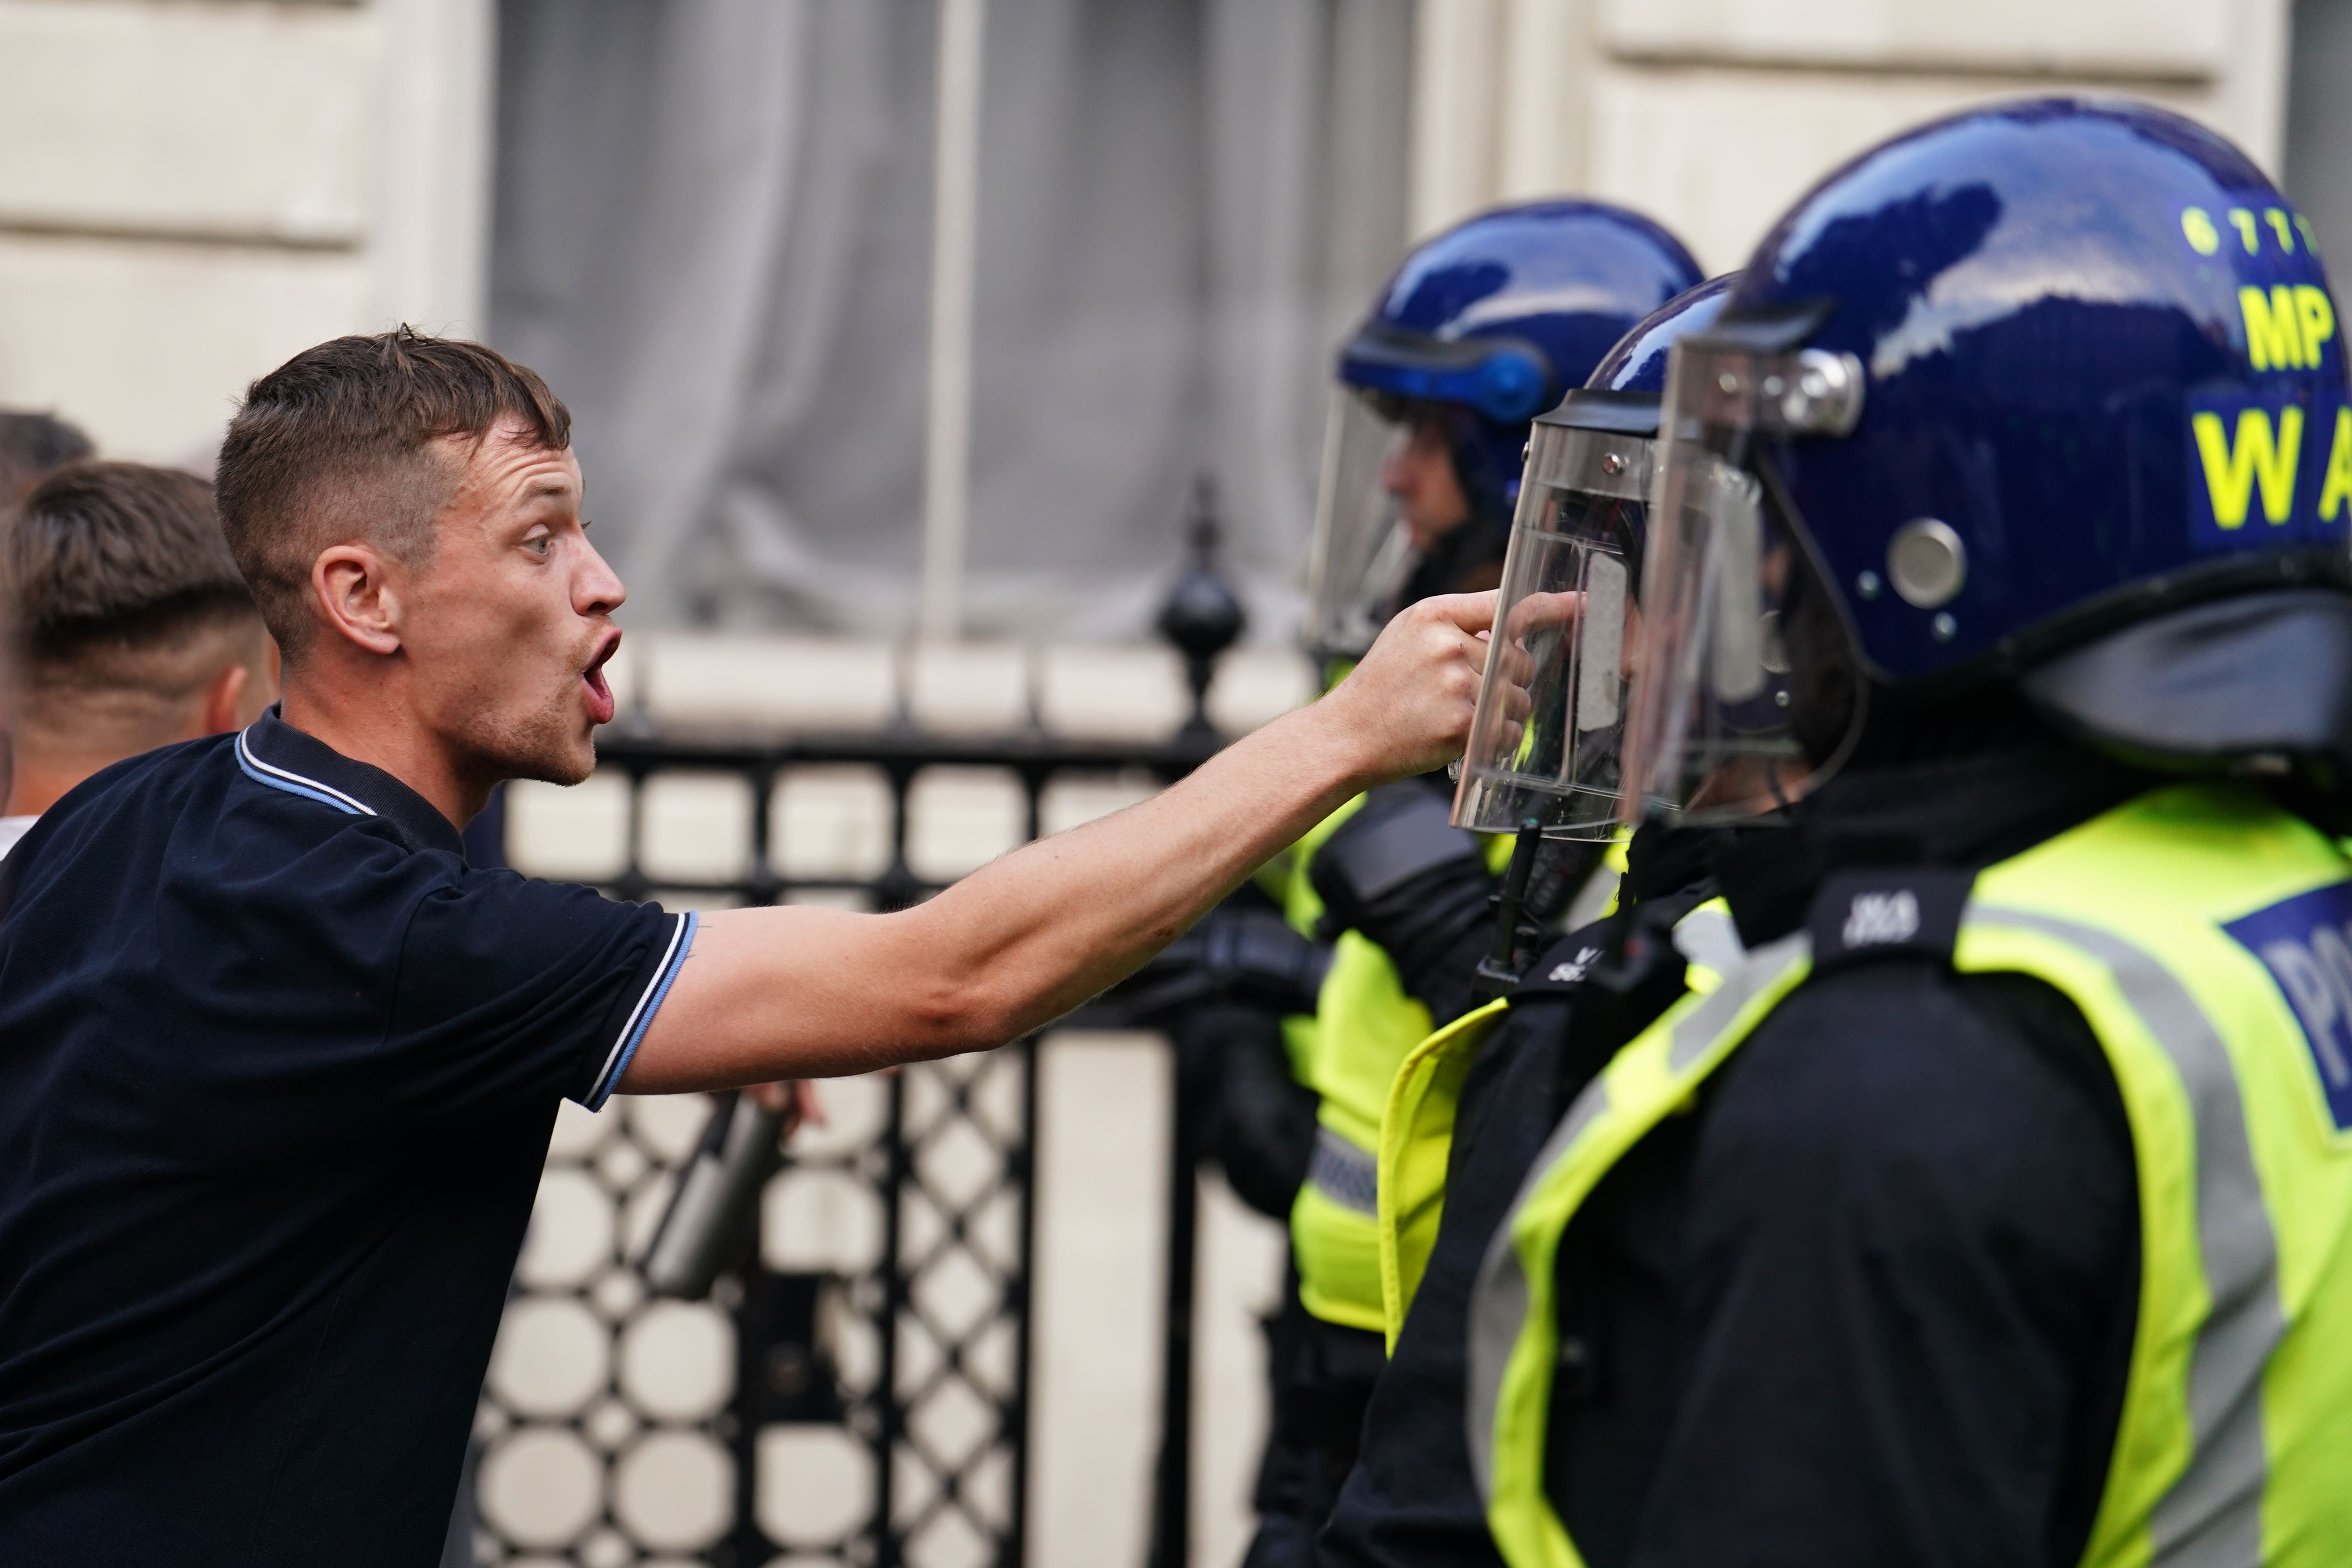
(1470, 612)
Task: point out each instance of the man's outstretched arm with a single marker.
(799, 992)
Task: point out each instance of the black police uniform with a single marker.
(1871, 1303)
(1410, 1498)
(1399, 873)
(278, 1079)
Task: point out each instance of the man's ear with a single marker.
(223, 708)
(357, 598)
(232, 705)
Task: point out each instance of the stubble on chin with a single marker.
(543, 745)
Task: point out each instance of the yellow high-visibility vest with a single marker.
(1348, 1053)
(1416, 1141)
(2206, 937)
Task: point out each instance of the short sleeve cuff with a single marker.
(641, 1017)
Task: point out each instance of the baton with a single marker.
(718, 1197)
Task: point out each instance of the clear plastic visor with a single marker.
(1362, 553)
(1547, 742)
(1744, 694)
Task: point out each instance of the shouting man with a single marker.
(278, 1068)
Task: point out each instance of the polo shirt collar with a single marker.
(274, 753)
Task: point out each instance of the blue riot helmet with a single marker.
(2049, 393)
(1481, 329)
(1575, 554)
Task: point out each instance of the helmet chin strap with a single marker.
(1831, 691)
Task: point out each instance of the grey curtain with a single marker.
(712, 236)
(2319, 173)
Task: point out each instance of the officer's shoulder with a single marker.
(1886, 1041)
(1866, 915)
(1881, 988)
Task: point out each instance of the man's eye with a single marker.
(539, 544)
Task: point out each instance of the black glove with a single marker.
(1250, 1115)
(1236, 955)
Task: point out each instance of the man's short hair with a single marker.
(332, 448)
(32, 448)
(114, 577)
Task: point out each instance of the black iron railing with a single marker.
(786, 1372)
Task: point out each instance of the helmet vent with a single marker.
(1927, 563)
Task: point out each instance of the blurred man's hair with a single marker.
(120, 604)
(334, 448)
(32, 448)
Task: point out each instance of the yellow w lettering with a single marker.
(2336, 487)
(2233, 469)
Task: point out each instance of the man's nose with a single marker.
(596, 588)
(1396, 474)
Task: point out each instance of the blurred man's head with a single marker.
(407, 509)
(128, 625)
(32, 448)
(1419, 472)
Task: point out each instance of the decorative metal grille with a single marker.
(857, 1390)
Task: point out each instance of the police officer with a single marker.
(1481, 329)
(1989, 1205)
(1473, 1105)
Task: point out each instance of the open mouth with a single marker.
(600, 693)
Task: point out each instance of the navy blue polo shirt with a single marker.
(277, 1075)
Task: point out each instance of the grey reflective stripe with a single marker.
(1708, 938)
(2212, 1517)
(1344, 1173)
(1498, 1306)
(1592, 900)
(1701, 1025)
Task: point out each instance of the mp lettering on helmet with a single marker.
(2305, 942)
(2270, 457)
(2287, 325)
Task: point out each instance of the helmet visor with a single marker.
(1746, 691)
(1546, 740)
(1362, 553)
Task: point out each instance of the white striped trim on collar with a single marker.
(295, 783)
